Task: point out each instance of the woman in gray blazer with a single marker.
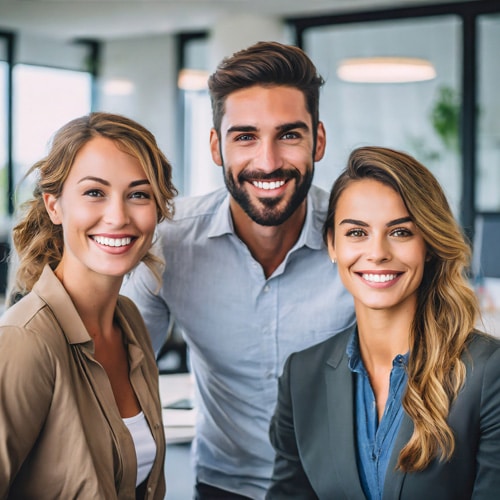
(80, 412)
(406, 404)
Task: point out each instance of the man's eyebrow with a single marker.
(139, 182)
(285, 127)
(241, 128)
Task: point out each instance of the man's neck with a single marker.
(268, 245)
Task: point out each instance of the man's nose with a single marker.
(269, 157)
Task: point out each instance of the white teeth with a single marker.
(112, 242)
(268, 185)
(379, 278)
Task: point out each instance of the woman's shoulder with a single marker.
(482, 344)
(332, 349)
(22, 311)
(28, 338)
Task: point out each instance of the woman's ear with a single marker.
(52, 207)
(331, 248)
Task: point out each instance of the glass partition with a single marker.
(45, 99)
(200, 174)
(3, 139)
(419, 117)
(488, 135)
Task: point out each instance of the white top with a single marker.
(145, 446)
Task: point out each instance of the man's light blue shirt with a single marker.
(240, 327)
(375, 441)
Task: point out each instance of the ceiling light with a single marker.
(192, 79)
(385, 70)
(118, 87)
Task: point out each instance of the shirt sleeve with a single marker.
(27, 374)
(143, 288)
(289, 478)
(487, 483)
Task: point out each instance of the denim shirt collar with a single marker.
(355, 362)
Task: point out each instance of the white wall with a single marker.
(148, 64)
(50, 52)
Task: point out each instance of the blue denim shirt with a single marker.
(240, 327)
(375, 442)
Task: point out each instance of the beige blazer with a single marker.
(61, 435)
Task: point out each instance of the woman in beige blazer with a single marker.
(80, 414)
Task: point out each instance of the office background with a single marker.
(150, 60)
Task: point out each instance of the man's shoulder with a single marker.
(190, 207)
(318, 200)
(193, 215)
(332, 346)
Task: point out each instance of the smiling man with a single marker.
(248, 278)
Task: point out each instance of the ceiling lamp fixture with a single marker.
(385, 70)
(118, 87)
(192, 79)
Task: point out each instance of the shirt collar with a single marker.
(222, 222)
(53, 293)
(354, 354)
(311, 234)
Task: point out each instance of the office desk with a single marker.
(177, 394)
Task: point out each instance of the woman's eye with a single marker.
(94, 193)
(401, 232)
(355, 233)
(142, 195)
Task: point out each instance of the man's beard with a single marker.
(269, 213)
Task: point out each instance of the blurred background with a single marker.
(150, 60)
(415, 75)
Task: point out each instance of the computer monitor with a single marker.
(486, 260)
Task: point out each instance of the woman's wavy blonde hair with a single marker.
(447, 308)
(37, 240)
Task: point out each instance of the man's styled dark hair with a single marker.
(266, 64)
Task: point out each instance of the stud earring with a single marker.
(334, 261)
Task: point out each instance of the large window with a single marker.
(200, 174)
(3, 140)
(488, 112)
(412, 115)
(4, 147)
(45, 99)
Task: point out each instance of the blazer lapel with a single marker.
(341, 418)
(394, 478)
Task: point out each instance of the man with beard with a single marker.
(247, 276)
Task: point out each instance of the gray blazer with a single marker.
(313, 432)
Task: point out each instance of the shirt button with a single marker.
(267, 288)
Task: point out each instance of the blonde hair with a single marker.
(447, 308)
(37, 240)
